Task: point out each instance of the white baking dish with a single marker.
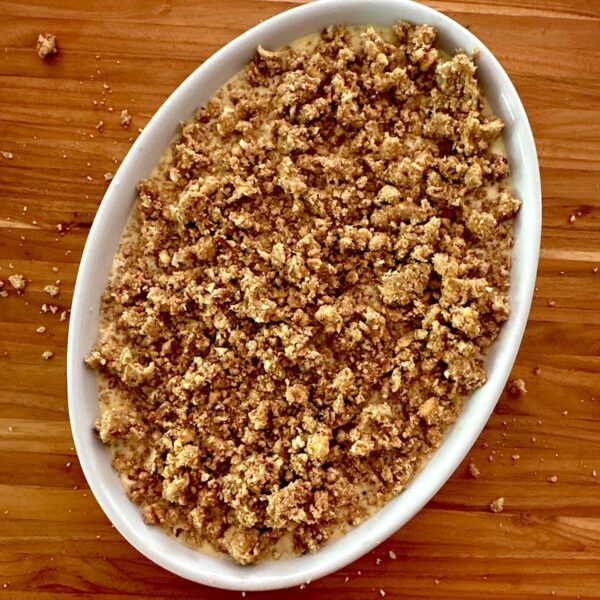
(106, 232)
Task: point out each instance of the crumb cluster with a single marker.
(17, 282)
(497, 505)
(46, 45)
(306, 292)
(517, 387)
(125, 118)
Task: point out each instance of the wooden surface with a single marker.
(54, 539)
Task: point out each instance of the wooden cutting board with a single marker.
(54, 539)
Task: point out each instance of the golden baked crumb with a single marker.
(497, 505)
(517, 387)
(306, 291)
(125, 118)
(46, 45)
(473, 470)
(52, 290)
(17, 282)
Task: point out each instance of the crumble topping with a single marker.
(306, 292)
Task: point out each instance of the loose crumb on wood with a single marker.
(392, 555)
(52, 290)
(553, 479)
(473, 470)
(18, 282)
(7, 155)
(516, 457)
(536, 370)
(108, 176)
(125, 118)
(41, 329)
(46, 45)
(47, 355)
(517, 388)
(497, 505)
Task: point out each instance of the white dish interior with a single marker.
(106, 232)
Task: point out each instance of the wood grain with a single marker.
(54, 539)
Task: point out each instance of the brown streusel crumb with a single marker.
(52, 290)
(125, 118)
(517, 387)
(17, 282)
(46, 45)
(473, 470)
(305, 293)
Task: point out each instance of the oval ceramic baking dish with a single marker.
(109, 224)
